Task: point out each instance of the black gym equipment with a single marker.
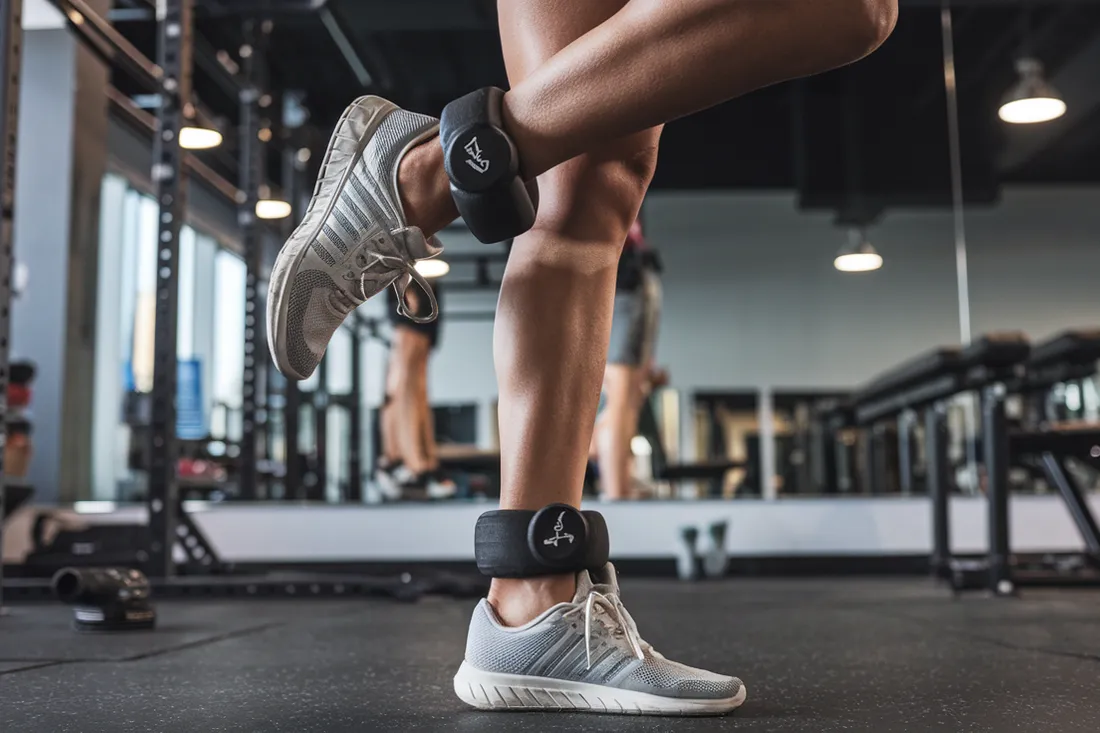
(106, 599)
(483, 165)
(715, 559)
(994, 367)
(556, 539)
(688, 562)
(1048, 446)
(709, 472)
(11, 49)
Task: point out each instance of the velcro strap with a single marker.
(482, 164)
(555, 540)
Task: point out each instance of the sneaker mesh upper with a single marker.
(554, 647)
(662, 677)
(310, 324)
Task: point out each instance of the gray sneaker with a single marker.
(584, 656)
(353, 241)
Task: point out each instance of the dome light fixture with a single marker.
(272, 209)
(432, 268)
(199, 138)
(1032, 99)
(858, 255)
(269, 206)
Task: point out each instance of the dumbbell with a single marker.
(106, 599)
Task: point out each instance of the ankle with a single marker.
(424, 188)
(518, 601)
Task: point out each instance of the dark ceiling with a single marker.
(870, 136)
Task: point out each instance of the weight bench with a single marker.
(1068, 356)
(711, 472)
(926, 383)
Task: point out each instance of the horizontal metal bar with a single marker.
(93, 27)
(469, 316)
(128, 15)
(149, 122)
(470, 286)
(913, 397)
(474, 258)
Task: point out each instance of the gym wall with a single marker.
(757, 276)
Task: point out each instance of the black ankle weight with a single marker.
(482, 162)
(554, 540)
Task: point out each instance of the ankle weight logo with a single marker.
(476, 160)
(558, 533)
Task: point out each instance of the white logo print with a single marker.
(475, 160)
(558, 534)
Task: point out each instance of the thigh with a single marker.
(618, 380)
(408, 351)
(531, 32)
(651, 314)
(626, 344)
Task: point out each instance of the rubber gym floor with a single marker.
(816, 655)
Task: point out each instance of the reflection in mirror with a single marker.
(727, 435)
(811, 460)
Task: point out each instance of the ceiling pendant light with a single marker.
(432, 268)
(193, 137)
(269, 206)
(1032, 99)
(858, 255)
(272, 209)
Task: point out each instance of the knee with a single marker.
(594, 198)
(865, 25)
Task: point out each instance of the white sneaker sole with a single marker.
(387, 486)
(373, 110)
(493, 691)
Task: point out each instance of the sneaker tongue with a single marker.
(608, 577)
(417, 246)
(584, 586)
(605, 580)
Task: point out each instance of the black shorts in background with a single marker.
(431, 330)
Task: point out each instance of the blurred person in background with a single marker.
(630, 375)
(408, 467)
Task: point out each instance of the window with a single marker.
(210, 330)
(228, 329)
(338, 363)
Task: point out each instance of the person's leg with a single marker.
(650, 62)
(597, 431)
(388, 427)
(622, 384)
(554, 313)
(427, 423)
(406, 387)
(628, 353)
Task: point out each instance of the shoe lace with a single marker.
(621, 623)
(409, 274)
